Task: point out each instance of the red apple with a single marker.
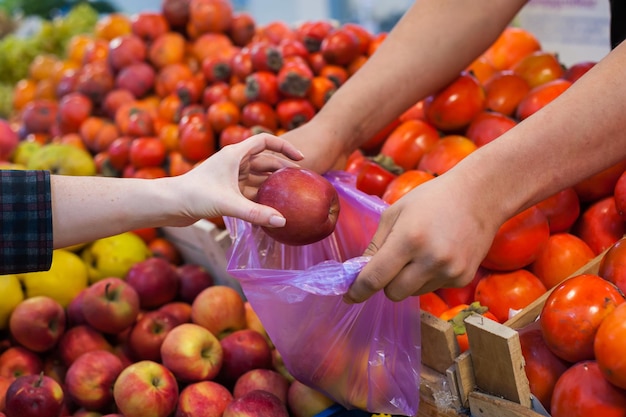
(37, 323)
(255, 404)
(263, 379)
(192, 353)
(155, 280)
(125, 50)
(89, 380)
(577, 70)
(34, 395)
(81, 339)
(179, 309)
(148, 333)
(4, 385)
(304, 401)
(220, 309)
(193, 279)
(18, 361)
(137, 78)
(243, 351)
(307, 200)
(254, 322)
(9, 140)
(111, 305)
(146, 389)
(54, 367)
(74, 311)
(203, 399)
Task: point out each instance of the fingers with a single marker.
(264, 141)
(254, 213)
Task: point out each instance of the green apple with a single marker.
(62, 159)
(114, 256)
(24, 151)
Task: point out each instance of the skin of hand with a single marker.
(88, 208)
(438, 233)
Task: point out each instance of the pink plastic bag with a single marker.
(364, 356)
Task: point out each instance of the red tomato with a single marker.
(609, 346)
(462, 295)
(539, 68)
(197, 141)
(259, 113)
(445, 154)
(355, 161)
(456, 316)
(373, 179)
(147, 152)
(572, 313)
(408, 142)
(262, 86)
(600, 225)
(455, 106)
(488, 126)
(375, 142)
(613, 264)
(233, 134)
(294, 112)
(503, 292)
(415, 112)
(562, 209)
(404, 183)
(539, 96)
(562, 255)
(294, 80)
(601, 184)
(619, 193)
(582, 391)
(577, 70)
(504, 91)
(340, 47)
(433, 304)
(518, 241)
(542, 367)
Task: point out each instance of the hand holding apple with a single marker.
(307, 200)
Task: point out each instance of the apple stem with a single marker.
(39, 382)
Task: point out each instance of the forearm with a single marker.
(427, 49)
(580, 133)
(88, 208)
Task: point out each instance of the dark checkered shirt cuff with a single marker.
(25, 221)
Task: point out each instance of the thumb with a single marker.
(257, 214)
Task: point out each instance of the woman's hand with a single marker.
(220, 186)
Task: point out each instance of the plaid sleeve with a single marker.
(25, 221)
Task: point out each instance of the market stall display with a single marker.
(152, 94)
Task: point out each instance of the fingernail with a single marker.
(277, 221)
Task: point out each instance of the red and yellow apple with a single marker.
(203, 399)
(255, 404)
(155, 280)
(89, 380)
(111, 305)
(34, 396)
(264, 379)
(192, 353)
(147, 334)
(38, 323)
(220, 309)
(146, 389)
(243, 350)
(307, 200)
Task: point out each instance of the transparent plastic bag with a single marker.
(365, 356)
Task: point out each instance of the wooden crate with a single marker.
(501, 386)
(486, 381)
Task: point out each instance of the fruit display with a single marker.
(152, 94)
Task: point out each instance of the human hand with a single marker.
(219, 186)
(322, 149)
(435, 236)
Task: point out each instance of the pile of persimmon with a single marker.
(153, 93)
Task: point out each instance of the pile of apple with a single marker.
(163, 340)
